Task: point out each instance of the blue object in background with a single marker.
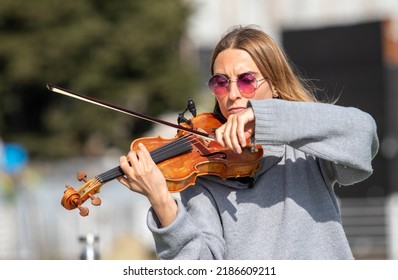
(14, 158)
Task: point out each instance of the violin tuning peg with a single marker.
(81, 176)
(83, 210)
(68, 187)
(96, 201)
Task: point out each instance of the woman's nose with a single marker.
(233, 92)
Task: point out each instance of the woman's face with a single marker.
(231, 63)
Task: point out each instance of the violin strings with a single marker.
(93, 182)
(110, 174)
(192, 139)
(177, 147)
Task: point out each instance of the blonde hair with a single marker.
(271, 61)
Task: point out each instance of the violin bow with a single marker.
(117, 108)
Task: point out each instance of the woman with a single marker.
(289, 209)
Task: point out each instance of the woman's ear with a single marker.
(275, 93)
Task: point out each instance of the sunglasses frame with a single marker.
(247, 95)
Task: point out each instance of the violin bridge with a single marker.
(205, 141)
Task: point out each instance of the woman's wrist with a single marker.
(165, 208)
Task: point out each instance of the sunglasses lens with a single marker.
(247, 83)
(218, 84)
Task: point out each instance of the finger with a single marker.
(240, 131)
(143, 155)
(219, 135)
(130, 166)
(132, 159)
(142, 148)
(127, 170)
(123, 181)
(227, 133)
(123, 161)
(231, 134)
(234, 137)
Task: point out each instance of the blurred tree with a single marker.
(125, 52)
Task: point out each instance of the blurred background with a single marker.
(152, 56)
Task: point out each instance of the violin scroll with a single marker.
(74, 199)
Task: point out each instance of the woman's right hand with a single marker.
(236, 130)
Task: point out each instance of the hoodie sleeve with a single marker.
(187, 237)
(344, 139)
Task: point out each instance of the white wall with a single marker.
(214, 17)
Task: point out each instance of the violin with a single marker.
(191, 153)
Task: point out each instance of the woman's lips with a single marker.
(236, 110)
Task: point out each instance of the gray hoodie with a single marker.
(289, 210)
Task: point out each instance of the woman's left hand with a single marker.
(238, 128)
(143, 176)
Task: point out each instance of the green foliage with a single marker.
(124, 52)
